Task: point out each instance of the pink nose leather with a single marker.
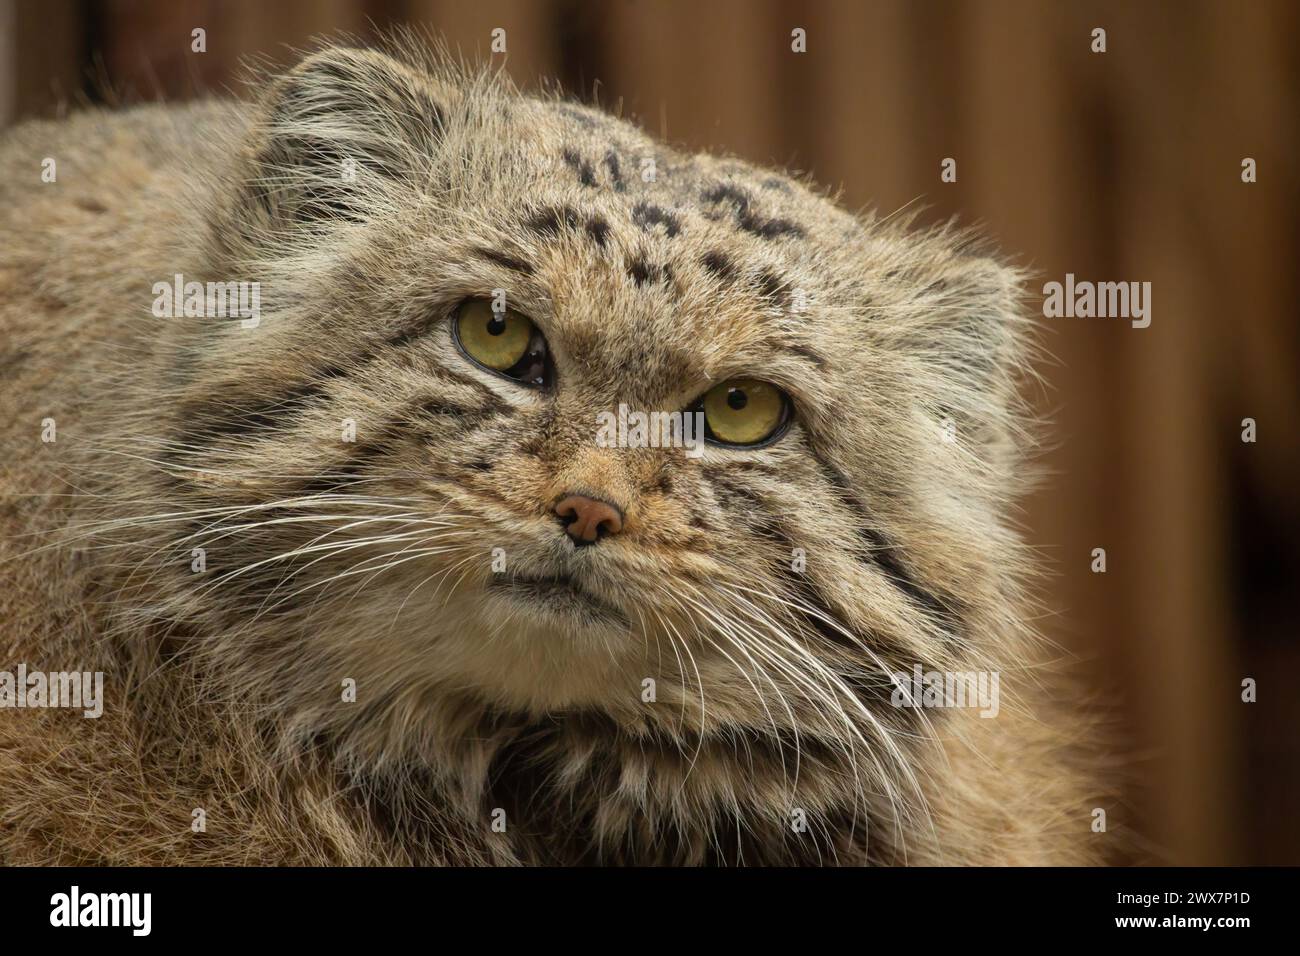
(586, 519)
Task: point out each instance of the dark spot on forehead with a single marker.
(586, 174)
(719, 264)
(771, 286)
(553, 219)
(770, 228)
(648, 216)
(639, 270)
(598, 229)
(615, 171)
(550, 221)
(643, 272)
(581, 117)
(726, 191)
(745, 216)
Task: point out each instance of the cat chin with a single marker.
(524, 652)
(558, 601)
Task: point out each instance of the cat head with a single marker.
(413, 473)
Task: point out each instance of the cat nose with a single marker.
(588, 519)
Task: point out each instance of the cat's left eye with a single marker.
(501, 340)
(745, 413)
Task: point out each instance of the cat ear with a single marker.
(988, 328)
(340, 137)
(974, 337)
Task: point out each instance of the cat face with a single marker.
(400, 475)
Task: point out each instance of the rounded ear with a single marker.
(992, 348)
(972, 335)
(984, 328)
(337, 135)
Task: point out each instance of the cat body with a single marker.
(321, 556)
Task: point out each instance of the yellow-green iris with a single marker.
(498, 340)
(745, 411)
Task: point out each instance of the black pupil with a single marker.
(737, 398)
(496, 325)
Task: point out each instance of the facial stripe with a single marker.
(808, 352)
(812, 607)
(402, 425)
(207, 420)
(503, 259)
(887, 555)
(551, 221)
(342, 474)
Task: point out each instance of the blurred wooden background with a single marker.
(1122, 166)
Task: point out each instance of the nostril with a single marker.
(588, 519)
(608, 520)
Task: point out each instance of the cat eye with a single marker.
(506, 342)
(745, 412)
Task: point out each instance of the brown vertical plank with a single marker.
(48, 66)
(532, 46)
(1172, 374)
(8, 62)
(706, 75)
(1247, 240)
(861, 113)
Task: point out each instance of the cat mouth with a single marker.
(559, 594)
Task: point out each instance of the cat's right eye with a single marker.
(745, 413)
(505, 341)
